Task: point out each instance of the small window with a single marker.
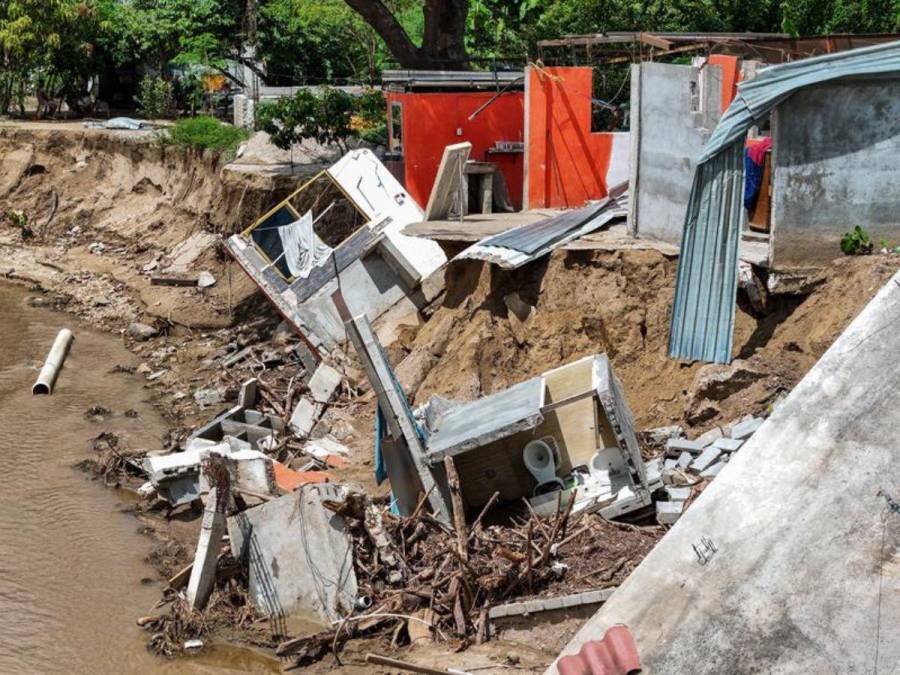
(396, 127)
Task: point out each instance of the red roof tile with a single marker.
(614, 654)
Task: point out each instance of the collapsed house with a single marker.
(787, 562)
(342, 229)
(827, 173)
(565, 435)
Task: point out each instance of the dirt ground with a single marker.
(107, 211)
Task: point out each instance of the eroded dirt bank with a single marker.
(139, 201)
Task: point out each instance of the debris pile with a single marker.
(687, 463)
(419, 579)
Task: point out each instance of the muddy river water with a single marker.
(71, 562)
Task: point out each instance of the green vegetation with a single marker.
(79, 51)
(154, 99)
(856, 242)
(206, 133)
(328, 116)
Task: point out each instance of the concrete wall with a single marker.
(836, 157)
(674, 109)
(805, 578)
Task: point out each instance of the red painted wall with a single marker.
(430, 123)
(567, 163)
(731, 75)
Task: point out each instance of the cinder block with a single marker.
(304, 417)
(670, 464)
(706, 459)
(675, 446)
(728, 444)
(710, 437)
(678, 494)
(668, 512)
(684, 459)
(714, 470)
(745, 429)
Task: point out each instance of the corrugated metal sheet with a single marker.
(520, 245)
(703, 313)
(614, 654)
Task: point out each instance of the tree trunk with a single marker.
(443, 45)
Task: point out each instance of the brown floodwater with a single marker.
(71, 561)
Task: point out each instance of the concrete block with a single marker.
(660, 435)
(653, 470)
(684, 459)
(324, 383)
(299, 554)
(678, 494)
(675, 446)
(728, 444)
(249, 393)
(668, 512)
(670, 464)
(203, 571)
(713, 470)
(706, 459)
(745, 429)
(304, 417)
(710, 437)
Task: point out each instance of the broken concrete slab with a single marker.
(744, 429)
(299, 555)
(304, 418)
(186, 252)
(667, 513)
(324, 383)
(800, 583)
(250, 471)
(706, 458)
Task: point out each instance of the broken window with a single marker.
(396, 122)
(335, 218)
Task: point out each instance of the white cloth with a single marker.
(303, 250)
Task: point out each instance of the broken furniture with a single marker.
(354, 242)
(577, 411)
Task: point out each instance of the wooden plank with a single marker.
(449, 186)
(172, 280)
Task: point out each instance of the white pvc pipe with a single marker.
(58, 353)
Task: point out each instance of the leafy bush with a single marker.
(330, 117)
(206, 133)
(856, 242)
(154, 98)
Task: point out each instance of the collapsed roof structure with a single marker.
(703, 314)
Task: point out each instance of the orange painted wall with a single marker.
(567, 163)
(431, 121)
(731, 75)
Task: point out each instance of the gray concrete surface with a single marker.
(806, 573)
(674, 110)
(836, 157)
